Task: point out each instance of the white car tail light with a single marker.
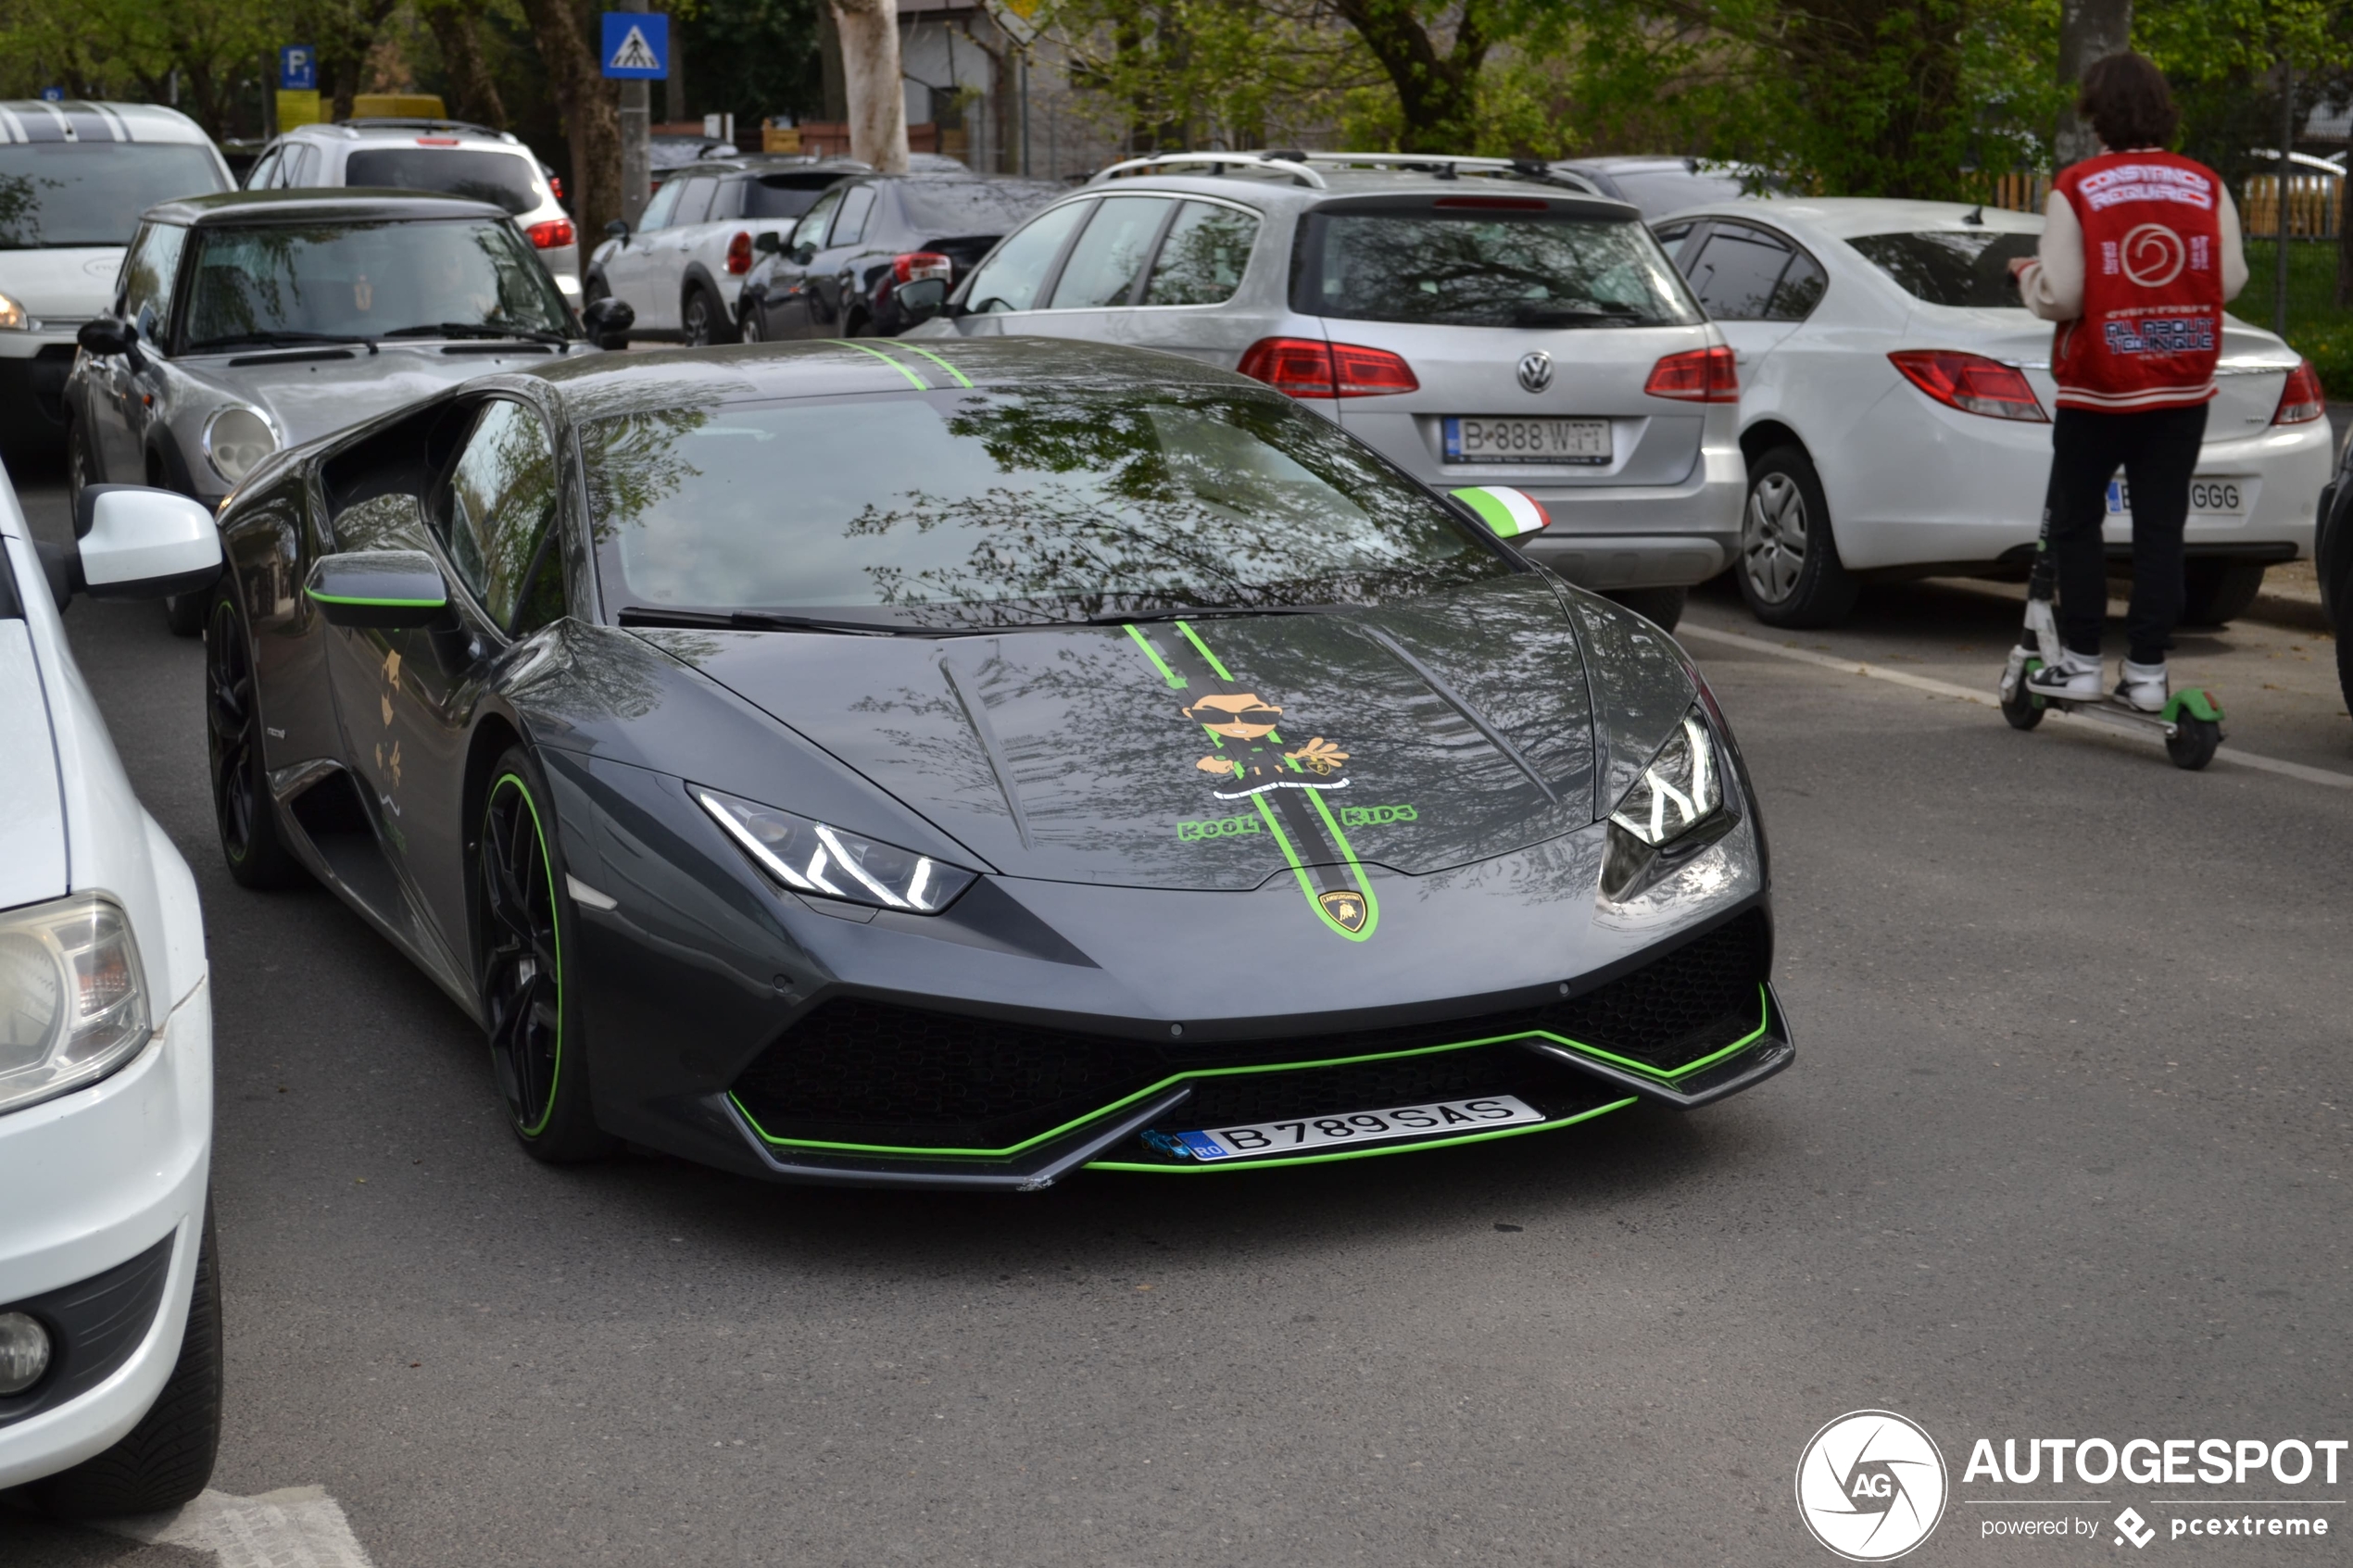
(1305, 368)
(2300, 400)
(548, 236)
(739, 254)
(1970, 382)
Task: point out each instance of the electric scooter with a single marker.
(2191, 721)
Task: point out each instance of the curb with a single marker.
(2292, 614)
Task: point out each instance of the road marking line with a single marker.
(297, 1527)
(1987, 700)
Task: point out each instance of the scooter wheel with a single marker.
(2193, 742)
(2020, 709)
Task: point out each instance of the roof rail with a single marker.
(401, 122)
(1291, 164)
(1303, 166)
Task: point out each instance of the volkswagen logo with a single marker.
(1536, 370)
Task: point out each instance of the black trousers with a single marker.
(2158, 451)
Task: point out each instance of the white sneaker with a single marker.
(2075, 678)
(2144, 686)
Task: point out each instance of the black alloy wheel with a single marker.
(79, 471)
(704, 317)
(750, 331)
(242, 810)
(522, 964)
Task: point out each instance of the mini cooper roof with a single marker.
(79, 119)
(311, 205)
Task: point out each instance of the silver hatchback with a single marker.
(1476, 322)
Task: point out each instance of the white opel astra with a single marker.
(109, 1306)
(1896, 405)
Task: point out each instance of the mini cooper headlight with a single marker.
(12, 316)
(825, 862)
(1675, 809)
(235, 440)
(72, 1007)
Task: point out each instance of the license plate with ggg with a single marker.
(1528, 441)
(2220, 495)
(1363, 1126)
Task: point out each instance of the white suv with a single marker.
(109, 1305)
(682, 269)
(446, 156)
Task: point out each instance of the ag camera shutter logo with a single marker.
(1871, 1486)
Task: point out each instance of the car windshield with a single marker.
(987, 509)
(501, 179)
(92, 193)
(1951, 266)
(263, 283)
(972, 206)
(1489, 269)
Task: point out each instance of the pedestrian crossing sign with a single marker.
(637, 45)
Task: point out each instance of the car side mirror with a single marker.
(401, 589)
(769, 242)
(137, 543)
(108, 335)
(923, 299)
(617, 229)
(803, 255)
(606, 317)
(1510, 514)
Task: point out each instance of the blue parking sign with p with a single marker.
(297, 69)
(637, 45)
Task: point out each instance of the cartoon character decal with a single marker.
(1250, 761)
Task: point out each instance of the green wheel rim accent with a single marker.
(507, 905)
(1203, 1169)
(913, 379)
(1763, 1023)
(917, 348)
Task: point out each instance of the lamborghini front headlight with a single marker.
(1675, 808)
(828, 862)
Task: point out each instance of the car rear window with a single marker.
(947, 207)
(783, 195)
(1002, 507)
(1951, 266)
(479, 173)
(1485, 264)
(1661, 191)
(92, 193)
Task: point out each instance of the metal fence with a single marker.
(2315, 205)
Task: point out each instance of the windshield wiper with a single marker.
(1186, 613)
(752, 621)
(480, 329)
(278, 339)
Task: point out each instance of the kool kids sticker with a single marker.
(1284, 782)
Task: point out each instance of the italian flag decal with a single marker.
(1509, 512)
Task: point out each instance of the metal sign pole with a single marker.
(637, 156)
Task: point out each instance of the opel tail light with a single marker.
(1971, 382)
(556, 187)
(553, 233)
(1305, 368)
(917, 264)
(739, 254)
(2300, 400)
(1698, 375)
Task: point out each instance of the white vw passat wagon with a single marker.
(1478, 323)
(109, 1306)
(1896, 405)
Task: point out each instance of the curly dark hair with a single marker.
(2128, 102)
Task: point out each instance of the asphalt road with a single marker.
(2064, 1154)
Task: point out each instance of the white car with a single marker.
(682, 269)
(74, 178)
(446, 157)
(1895, 400)
(109, 1304)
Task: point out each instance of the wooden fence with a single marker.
(2315, 203)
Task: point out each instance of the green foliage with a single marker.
(2317, 328)
(751, 58)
